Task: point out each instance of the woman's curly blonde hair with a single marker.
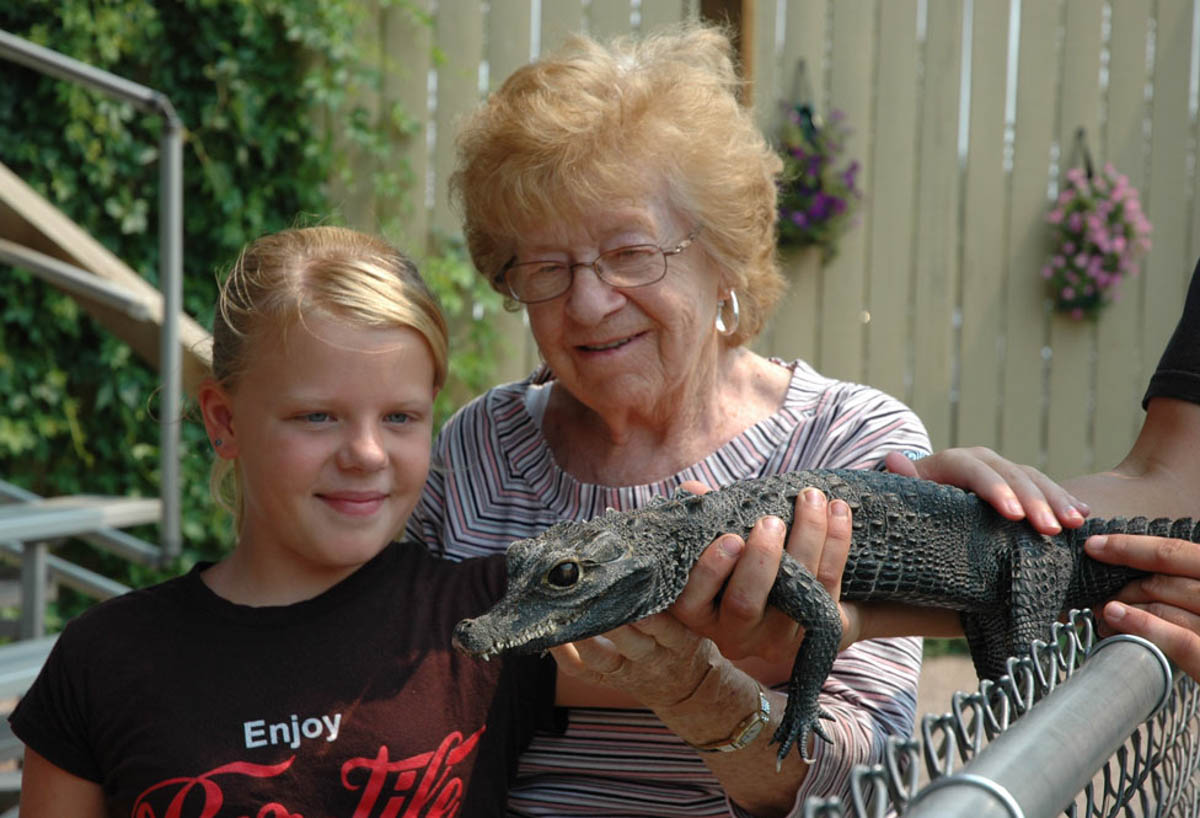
(596, 124)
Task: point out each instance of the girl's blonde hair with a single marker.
(595, 124)
(280, 278)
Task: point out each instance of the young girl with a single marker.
(309, 673)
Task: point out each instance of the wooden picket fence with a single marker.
(964, 114)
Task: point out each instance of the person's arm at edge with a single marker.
(48, 790)
(1159, 477)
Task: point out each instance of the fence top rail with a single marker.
(1045, 758)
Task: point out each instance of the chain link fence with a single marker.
(1067, 718)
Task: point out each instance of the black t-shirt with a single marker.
(352, 703)
(1178, 373)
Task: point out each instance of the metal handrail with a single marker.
(170, 239)
(65, 572)
(74, 279)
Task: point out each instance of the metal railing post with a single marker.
(34, 577)
(170, 233)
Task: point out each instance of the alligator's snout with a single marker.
(465, 638)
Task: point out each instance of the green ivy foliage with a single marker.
(252, 81)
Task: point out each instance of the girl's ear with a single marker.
(216, 406)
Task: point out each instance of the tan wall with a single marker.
(935, 295)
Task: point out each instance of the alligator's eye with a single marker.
(563, 575)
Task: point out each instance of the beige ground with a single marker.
(941, 676)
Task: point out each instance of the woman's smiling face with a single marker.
(621, 350)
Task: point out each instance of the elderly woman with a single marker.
(627, 200)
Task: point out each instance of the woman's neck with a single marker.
(629, 445)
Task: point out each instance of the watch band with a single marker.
(746, 731)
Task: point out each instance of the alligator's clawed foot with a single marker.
(796, 728)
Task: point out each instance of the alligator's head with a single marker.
(572, 581)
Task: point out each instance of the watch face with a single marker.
(751, 732)
(745, 732)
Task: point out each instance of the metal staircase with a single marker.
(37, 237)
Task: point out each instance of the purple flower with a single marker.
(819, 209)
(849, 174)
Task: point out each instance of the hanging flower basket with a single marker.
(818, 192)
(1099, 236)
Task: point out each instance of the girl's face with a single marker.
(331, 430)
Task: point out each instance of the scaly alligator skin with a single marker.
(914, 541)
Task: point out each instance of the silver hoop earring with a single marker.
(730, 327)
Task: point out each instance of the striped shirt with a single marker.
(495, 481)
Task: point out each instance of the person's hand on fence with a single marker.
(1164, 607)
(726, 595)
(1016, 491)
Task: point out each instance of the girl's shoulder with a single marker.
(161, 603)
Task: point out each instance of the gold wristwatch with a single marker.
(746, 731)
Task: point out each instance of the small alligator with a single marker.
(914, 542)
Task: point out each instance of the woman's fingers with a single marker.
(726, 597)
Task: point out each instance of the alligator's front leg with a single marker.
(797, 593)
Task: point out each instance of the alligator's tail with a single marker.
(1093, 582)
